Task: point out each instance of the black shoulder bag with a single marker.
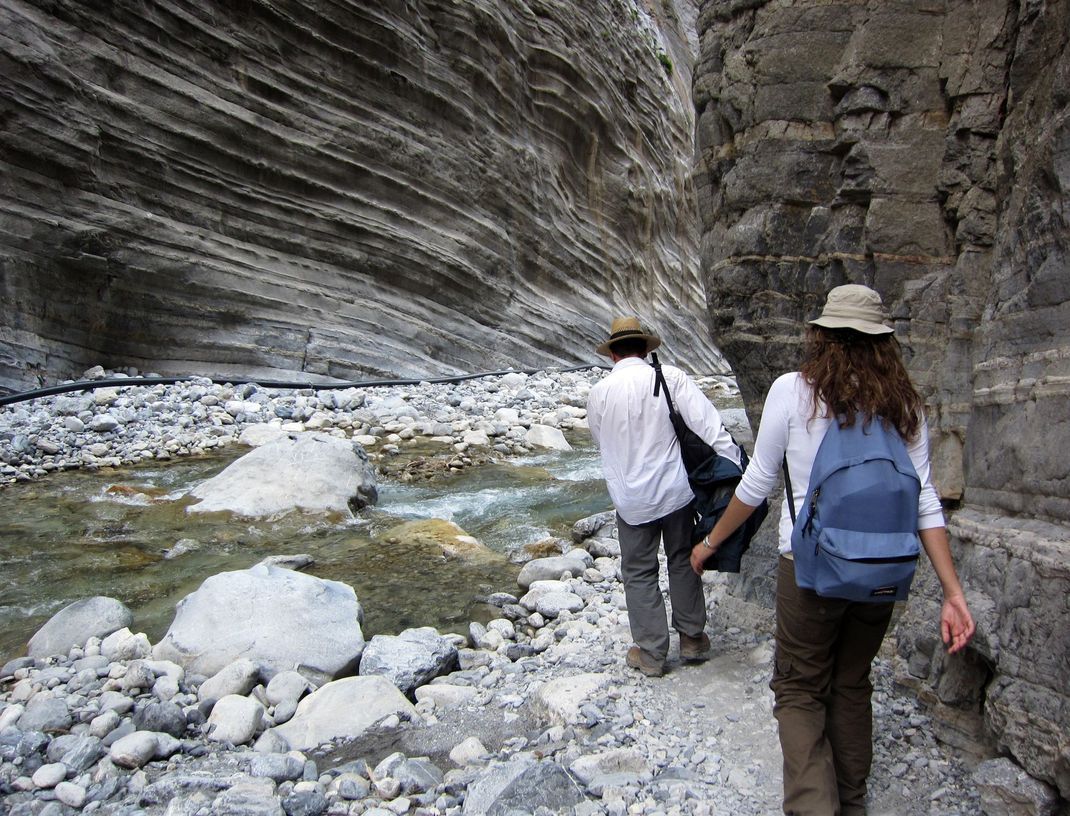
(713, 479)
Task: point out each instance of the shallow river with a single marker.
(126, 534)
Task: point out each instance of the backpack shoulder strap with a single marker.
(659, 382)
(789, 496)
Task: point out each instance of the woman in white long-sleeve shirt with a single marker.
(824, 646)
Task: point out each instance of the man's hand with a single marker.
(699, 553)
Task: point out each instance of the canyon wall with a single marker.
(342, 189)
(921, 147)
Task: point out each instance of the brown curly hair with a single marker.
(852, 372)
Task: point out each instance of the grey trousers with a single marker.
(822, 691)
(639, 570)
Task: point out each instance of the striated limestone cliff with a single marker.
(921, 147)
(343, 189)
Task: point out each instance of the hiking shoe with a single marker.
(694, 648)
(638, 659)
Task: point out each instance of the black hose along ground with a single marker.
(92, 385)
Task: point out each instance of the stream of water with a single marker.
(126, 534)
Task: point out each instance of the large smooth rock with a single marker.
(277, 618)
(76, 623)
(312, 472)
(545, 436)
(344, 709)
(410, 659)
(552, 568)
(614, 761)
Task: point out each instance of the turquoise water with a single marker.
(126, 534)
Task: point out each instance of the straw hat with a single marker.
(853, 307)
(625, 328)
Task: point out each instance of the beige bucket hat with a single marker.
(853, 306)
(625, 328)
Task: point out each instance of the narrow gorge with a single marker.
(345, 190)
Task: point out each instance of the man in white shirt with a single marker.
(648, 485)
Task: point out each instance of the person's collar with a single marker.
(628, 362)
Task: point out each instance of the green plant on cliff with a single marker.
(666, 63)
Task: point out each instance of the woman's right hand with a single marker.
(956, 623)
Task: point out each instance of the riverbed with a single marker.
(125, 533)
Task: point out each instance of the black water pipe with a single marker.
(91, 385)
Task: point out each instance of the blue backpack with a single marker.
(857, 536)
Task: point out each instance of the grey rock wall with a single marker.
(921, 147)
(343, 189)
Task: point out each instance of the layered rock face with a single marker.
(343, 189)
(922, 148)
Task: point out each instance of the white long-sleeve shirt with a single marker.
(787, 427)
(640, 453)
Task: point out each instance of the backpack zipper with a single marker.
(810, 516)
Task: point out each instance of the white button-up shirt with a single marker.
(640, 453)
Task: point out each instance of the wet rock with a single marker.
(592, 526)
(311, 472)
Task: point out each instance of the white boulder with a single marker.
(545, 436)
(277, 618)
(312, 472)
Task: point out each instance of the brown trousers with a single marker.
(822, 691)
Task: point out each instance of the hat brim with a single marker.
(864, 326)
(652, 343)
